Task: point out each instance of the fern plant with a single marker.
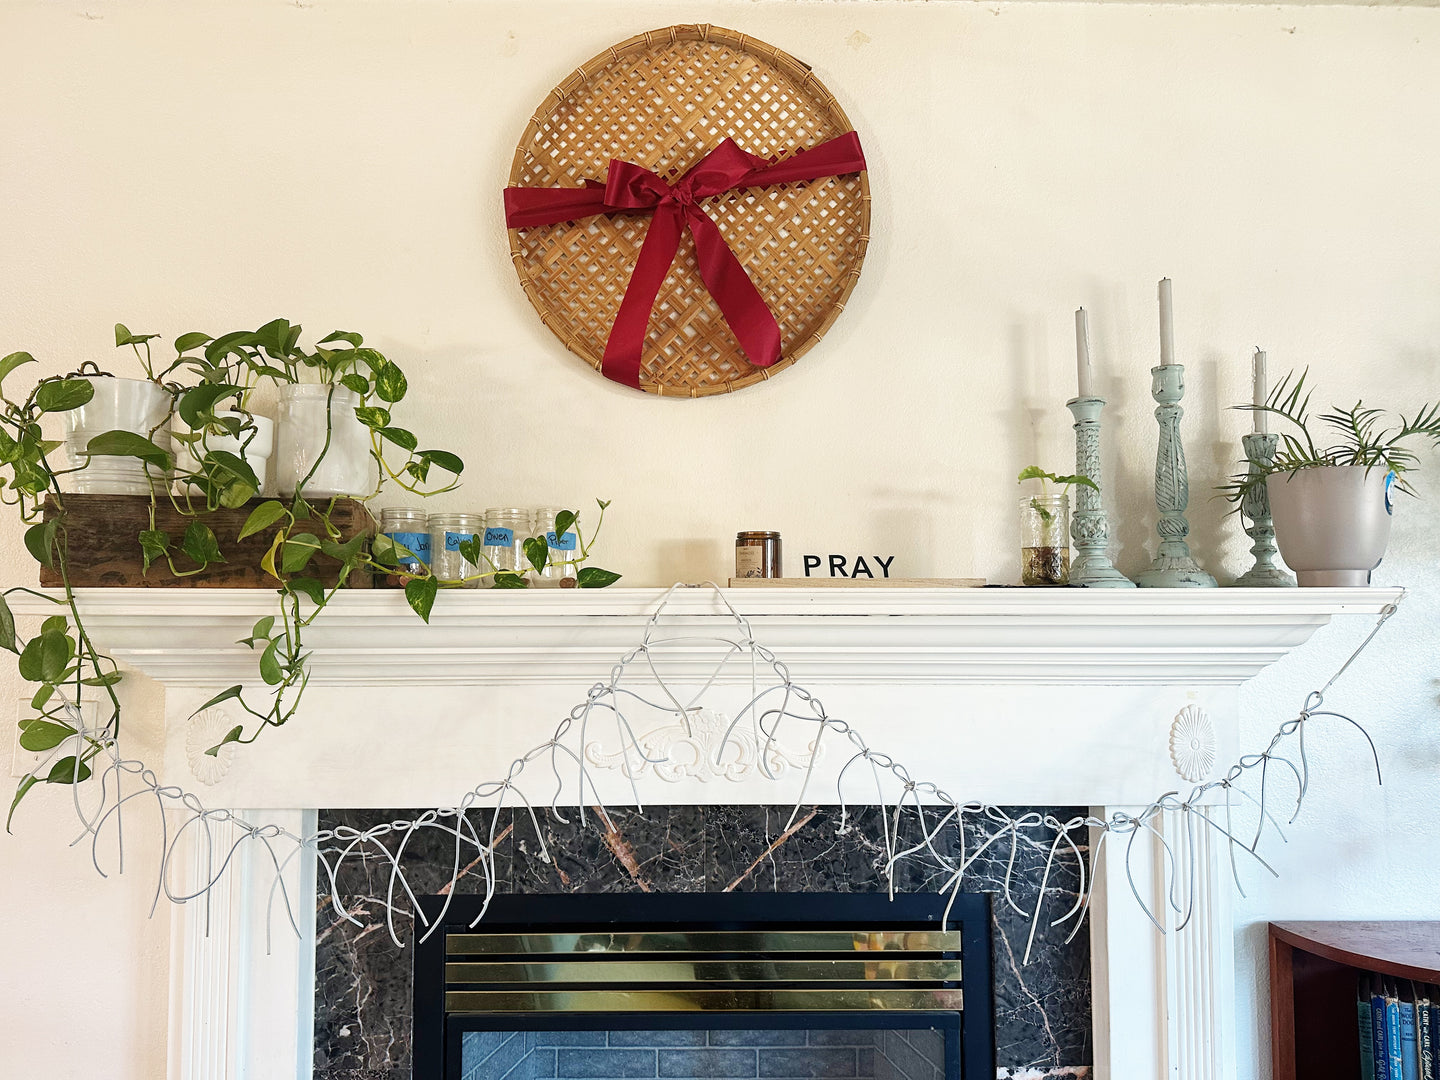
(1360, 435)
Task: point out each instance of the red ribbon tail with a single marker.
(621, 361)
(735, 294)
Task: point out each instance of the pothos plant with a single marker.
(77, 712)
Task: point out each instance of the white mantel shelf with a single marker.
(187, 637)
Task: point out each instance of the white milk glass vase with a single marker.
(304, 460)
(135, 405)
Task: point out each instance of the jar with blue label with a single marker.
(410, 528)
(505, 531)
(560, 569)
(448, 532)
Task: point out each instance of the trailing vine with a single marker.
(211, 383)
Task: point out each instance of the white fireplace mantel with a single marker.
(187, 637)
(1008, 696)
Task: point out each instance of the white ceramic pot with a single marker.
(347, 467)
(136, 405)
(1332, 524)
(256, 453)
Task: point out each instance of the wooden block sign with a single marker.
(102, 533)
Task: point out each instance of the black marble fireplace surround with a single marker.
(364, 987)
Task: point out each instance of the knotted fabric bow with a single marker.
(630, 189)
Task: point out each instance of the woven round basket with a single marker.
(663, 100)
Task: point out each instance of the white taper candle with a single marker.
(1167, 323)
(1083, 371)
(1262, 419)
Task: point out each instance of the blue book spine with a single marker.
(1380, 1038)
(1393, 1047)
(1367, 1039)
(1433, 1011)
(1409, 1043)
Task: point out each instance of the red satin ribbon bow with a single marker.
(633, 189)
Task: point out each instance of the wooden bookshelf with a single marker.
(1314, 968)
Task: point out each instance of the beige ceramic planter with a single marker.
(1332, 524)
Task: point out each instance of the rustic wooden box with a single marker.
(104, 551)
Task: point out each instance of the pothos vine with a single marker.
(210, 382)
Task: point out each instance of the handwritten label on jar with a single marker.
(565, 543)
(417, 543)
(453, 540)
(499, 537)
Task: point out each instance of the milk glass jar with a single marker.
(410, 528)
(505, 532)
(559, 570)
(447, 533)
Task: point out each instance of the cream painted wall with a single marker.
(177, 165)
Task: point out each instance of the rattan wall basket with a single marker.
(664, 100)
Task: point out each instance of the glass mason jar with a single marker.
(1045, 540)
(559, 571)
(409, 527)
(505, 531)
(447, 533)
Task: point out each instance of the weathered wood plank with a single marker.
(102, 533)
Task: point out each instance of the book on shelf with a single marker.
(1425, 1030)
(1399, 1029)
(1379, 1031)
(1409, 1041)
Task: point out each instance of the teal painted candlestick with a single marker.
(1089, 528)
(1255, 507)
(1173, 567)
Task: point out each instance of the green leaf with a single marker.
(262, 517)
(298, 550)
(224, 695)
(386, 552)
(112, 679)
(128, 444)
(563, 520)
(198, 403)
(602, 503)
(390, 383)
(199, 543)
(357, 383)
(372, 416)
(233, 735)
(232, 475)
(40, 542)
(235, 342)
(154, 543)
(508, 580)
(399, 436)
(371, 358)
(259, 632)
(1034, 472)
(45, 658)
(342, 335)
(537, 550)
(270, 669)
(592, 577)
(63, 771)
(26, 783)
(420, 595)
(124, 337)
(472, 551)
(348, 552)
(185, 342)
(308, 586)
(274, 336)
(7, 628)
(55, 624)
(46, 691)
(63, 395)
(446, 460)
(13, 361)
(40, 735)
